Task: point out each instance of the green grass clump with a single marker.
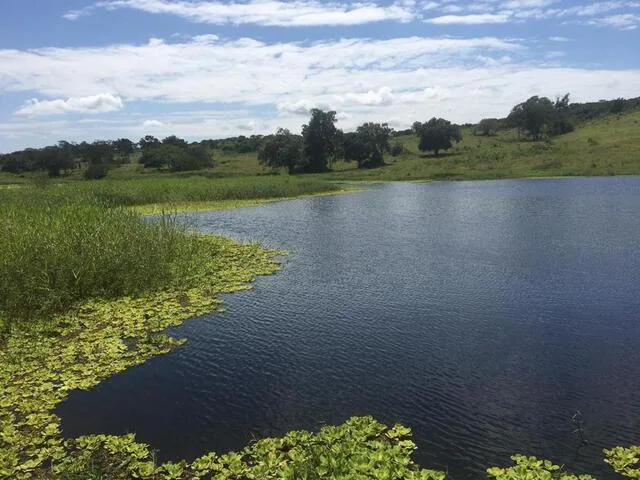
(56, 252)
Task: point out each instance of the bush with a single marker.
(96, 171)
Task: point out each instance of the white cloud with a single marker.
(244, 81)
(559, 39)
(101, 103)
(294, 13)
(626, 21)
(152, 124)
(469, 19)
(383, 96)
(76, 14)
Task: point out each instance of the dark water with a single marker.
(481, 314)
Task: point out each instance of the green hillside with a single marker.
(608, 146)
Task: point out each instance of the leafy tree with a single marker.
(192, 157)
(176, 159)
(367, 144)
(96, 171)
(282, 150)
(416, 127)
(123, 148)
(618, 105)
(320, 140)
(173, 140)
(397, 149)
(539, 116)
(437, 134)
(148, 141)
(55, 159)
(487, 127)
(533, 116)
(100, 152)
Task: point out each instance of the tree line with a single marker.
(313, 151)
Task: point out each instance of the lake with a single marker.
(483, 315)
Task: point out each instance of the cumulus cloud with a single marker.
(101, 103)
(152, 123)
(296, 13)
(276, 84)
(383, 96)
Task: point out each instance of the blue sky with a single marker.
(85, 70)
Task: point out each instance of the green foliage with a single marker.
(96, 171)
(437, 134)
(530, 468)
(367, 144)
(282, 150)
(41, 361)
(320, 138)
(176, 155)
(625, 461)
(539, 116)
(487, 127)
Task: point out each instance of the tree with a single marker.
(123, 148)
(437, 134)
(176, 159)
(173, 140)
(539, 116)
(192, 157)
(54, 159)
(320, 140)
(367, 144)
(487, 126)
(282, 150)
(534, 116)
(148, 141)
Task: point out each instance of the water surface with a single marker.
(481, 314)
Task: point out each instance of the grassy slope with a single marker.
(609, 146)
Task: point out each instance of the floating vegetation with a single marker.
(40, 362)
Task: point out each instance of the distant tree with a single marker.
(539, 116)
(55, 159)
(416, 127)
(320, 141)
(367, 144)
(561, 122)
(534, 116)
(437, 134)
(148, 141)
(618, 105)
(355, 148)
(176, 159)
(100, 152)
(173, 140)
(96, 171)
(282, 150)
(192, 157)
(487, 126)
(123, 148)
(397, 149)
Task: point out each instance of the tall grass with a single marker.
(56, 252)
(61, 243)
(195, 189)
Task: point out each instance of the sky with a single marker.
(104, 69)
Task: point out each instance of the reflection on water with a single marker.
(481, 314)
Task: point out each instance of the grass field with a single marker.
(608, 146)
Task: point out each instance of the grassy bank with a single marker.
(609, 146)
